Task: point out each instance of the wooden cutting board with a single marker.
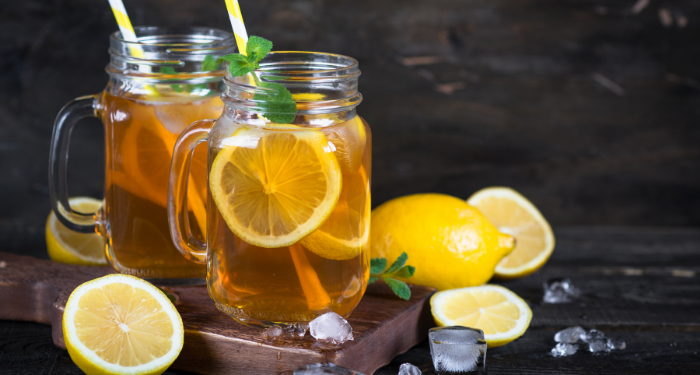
(383, 325)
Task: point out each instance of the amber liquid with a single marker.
(262, 286)
(140, 135)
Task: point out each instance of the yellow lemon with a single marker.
(500, 313)
(120, 324)
(451, 244)
(512, 213)
(70, 247)
(275, 187)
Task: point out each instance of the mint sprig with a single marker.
(277, 105)
(398, 269)
(208, 64)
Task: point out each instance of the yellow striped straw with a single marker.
(234, 14)
(125, 26)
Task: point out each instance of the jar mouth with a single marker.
(183, 49)
(319, 82)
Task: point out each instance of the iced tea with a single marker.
(324, 271)
(142, 132)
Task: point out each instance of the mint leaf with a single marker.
(209, 64)
(167, 70)
(400, 262)
(277, 106)
(399, 287)
(377, 265)
(405, 272)
(257, 48)
(238, 64)
(398, 269)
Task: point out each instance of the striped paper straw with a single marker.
(234, 14)
(125, 26)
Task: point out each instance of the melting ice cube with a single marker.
(324, 369)
(409, 369)
(331, 327)
(597, 342)
(570, 335)
(616, 344)
(563, 349)
(560, 291)
(457, 349)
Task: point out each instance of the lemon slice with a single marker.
(345, 233)
(513, 214)
(500, 313)
(273, 188)
(120, 324)
(70, 247)
(349, 139)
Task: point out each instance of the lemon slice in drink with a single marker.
(120, 324)
(513, 214)
(67, 246)
(273, 188)
(345, 233)
(500, 313)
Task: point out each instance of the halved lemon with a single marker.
(345, 233)
(275, 187)
(120, 324)
(513, 214)
(70, 247)
(500, 313)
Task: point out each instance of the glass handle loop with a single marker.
(180, 232)
(68, 117)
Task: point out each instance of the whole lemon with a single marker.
(451, 244)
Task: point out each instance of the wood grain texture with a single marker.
(383, 326)
(630, 291)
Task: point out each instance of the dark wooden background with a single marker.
(590, 108)
(527, 109)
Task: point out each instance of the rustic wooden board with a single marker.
(383, 326)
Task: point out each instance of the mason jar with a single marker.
(288, 204)
(156, 88)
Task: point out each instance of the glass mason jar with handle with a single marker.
(288, 204)
(156, 89)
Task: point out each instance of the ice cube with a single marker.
(597, 342)
(457, 349)
(324, 369)
(563, 349)
(332, 328)
(273, 333)
(616, 344)
(409, 369)
(570, 335)
(560, 291)
(593, 335)
(296, 329)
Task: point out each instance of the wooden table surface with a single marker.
(638, 284)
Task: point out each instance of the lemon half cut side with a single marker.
(120, 324)
(513, 214)
(500, 313)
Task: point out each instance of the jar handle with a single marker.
(192, 248)
(70, 114)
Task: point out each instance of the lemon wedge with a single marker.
(513, 214)
(120, 324)
(67, 246)
(345, 233)
(274, 188)
(500, 313)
